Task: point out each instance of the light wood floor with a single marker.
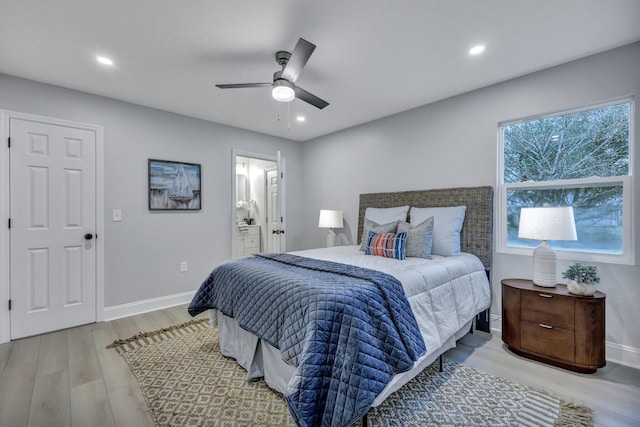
(69, 378)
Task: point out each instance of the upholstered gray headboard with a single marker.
(477, 230)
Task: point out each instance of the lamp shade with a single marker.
(330, 219)
(547, 223)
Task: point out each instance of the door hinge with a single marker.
(9, 222)
(9, 141)
(281, 175)
(9, 305)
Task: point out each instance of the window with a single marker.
(580, 158)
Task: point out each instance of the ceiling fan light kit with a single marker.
(283, 87)
(283, 91)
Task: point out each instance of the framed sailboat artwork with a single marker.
(174, 185)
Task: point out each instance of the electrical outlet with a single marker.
(183, 266)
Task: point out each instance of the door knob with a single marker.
(88, 236)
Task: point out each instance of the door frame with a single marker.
(5, 248)
(261, 156)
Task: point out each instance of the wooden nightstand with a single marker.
(554, 326)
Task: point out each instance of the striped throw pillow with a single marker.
(388, 245)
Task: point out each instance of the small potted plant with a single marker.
(582, 279)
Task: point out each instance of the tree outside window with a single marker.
(580, 159)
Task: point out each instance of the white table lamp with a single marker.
(546, 223)
(330, 219)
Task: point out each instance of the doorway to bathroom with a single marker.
(258, 204)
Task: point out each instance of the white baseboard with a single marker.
(616, 353)
(495, 324)
(145, 306)
(623, 355)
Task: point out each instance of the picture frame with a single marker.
(174, 186)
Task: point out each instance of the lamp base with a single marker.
(544, 266)
(330, 239)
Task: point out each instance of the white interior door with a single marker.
(53, 223)
(281, 201)
(274, 232)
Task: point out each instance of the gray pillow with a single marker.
(376, 228)
(419, 238)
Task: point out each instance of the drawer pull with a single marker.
(542, 325)
(546, 295)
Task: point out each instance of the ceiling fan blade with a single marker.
(310, 98)
(299, 58)
(243, 85)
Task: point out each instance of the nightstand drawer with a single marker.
(547, 340)
(548, 309)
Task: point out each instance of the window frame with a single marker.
(628, 219)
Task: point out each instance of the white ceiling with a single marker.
(373, 58)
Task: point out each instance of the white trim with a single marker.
(616, 353)
(615, 101)
(496, 324)
(5, 250)
(623, 355)
(99, 223)
(282, 200)
(628, 256)
(234, 155)
(145, 306)
(281, 189)
(5, 316)
(628, 248)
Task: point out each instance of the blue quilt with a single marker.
(347, 330)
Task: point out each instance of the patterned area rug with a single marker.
(186, 381)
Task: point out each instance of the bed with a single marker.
(331, 367)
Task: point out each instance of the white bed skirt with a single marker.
(260, 359)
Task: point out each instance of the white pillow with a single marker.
(447, 224)
(383, 216)
(386, 215)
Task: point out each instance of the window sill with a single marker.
(624, 259)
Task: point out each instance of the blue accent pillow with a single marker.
(388, 245)
(370, 225)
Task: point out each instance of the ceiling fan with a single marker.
(283, 86)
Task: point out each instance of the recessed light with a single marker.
(476, 50)
(301, 118)
(104, 60)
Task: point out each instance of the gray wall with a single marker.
(454, 143)
(445, 144)
(143, 252)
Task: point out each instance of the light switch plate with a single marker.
(117, 214)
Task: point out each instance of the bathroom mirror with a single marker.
(241, 188)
